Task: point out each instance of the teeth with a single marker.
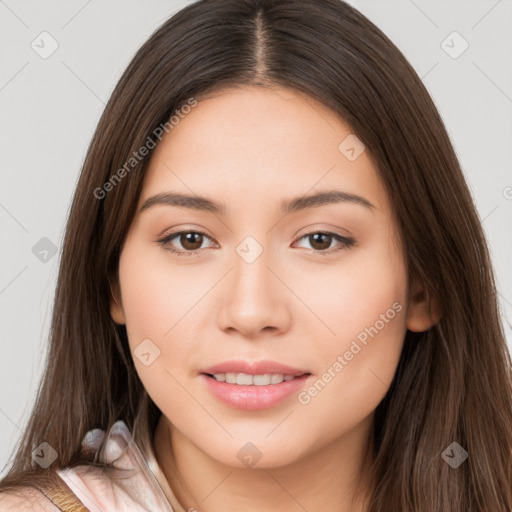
(276, 378)
(245, 379)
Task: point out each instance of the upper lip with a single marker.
(253, 368)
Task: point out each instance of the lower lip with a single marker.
(254, 397)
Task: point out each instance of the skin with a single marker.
(251, 149)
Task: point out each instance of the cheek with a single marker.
(363, 303)
(155, 294)
(155, 303)
(353, 294)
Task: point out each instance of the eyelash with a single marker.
(345, 242)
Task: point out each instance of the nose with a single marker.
(253, 299)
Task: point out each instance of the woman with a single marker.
(274, 291)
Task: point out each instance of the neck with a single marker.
(334, 478)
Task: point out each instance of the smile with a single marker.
(246, 379)
(252, 392)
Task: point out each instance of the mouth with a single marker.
(247, 379)
(253, 391)
(256, 385)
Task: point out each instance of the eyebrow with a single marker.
(200, 203)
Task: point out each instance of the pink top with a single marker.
(142, 488)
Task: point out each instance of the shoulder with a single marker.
(25, 499)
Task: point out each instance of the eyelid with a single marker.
(344, 241)
(163, 241)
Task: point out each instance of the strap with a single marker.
(59, 493)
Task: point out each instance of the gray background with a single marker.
(50, 107)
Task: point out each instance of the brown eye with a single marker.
(184, 242)
(320, 241)
(191, 240)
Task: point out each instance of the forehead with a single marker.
(260, 145)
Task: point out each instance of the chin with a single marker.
(246, 454)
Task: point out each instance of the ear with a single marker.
(116, 305)
(423, 310)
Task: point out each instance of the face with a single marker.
(319, 286)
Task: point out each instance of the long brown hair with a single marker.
(453, 382)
